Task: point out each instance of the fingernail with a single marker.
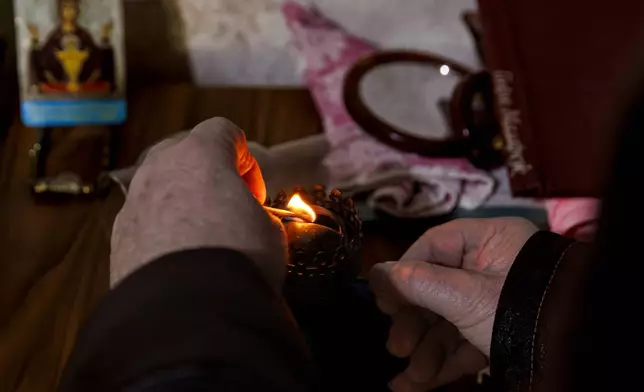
(386, 266)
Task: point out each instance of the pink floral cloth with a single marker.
(401, 184)
(573, 217)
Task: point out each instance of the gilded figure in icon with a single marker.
(69, 61)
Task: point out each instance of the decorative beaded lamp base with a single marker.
(324, 255)
(335, 310)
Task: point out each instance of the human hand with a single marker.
(442, 296)
(199, 189)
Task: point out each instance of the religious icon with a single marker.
(71, 61)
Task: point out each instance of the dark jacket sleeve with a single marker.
(191, 321)
(538, 315)
(569, 316)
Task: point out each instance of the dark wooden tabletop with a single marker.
(54, 254)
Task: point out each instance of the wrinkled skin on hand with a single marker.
(442, 296)
(199, 189)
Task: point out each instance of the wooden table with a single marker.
(54, 255)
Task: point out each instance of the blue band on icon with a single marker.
(71, 112)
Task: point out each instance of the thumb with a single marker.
(453, 293)
(225, 137)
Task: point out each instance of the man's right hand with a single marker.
(442, 296)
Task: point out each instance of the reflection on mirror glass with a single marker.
(408, 97)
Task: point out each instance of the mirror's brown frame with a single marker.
(457, 146)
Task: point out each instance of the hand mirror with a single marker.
(425, 104)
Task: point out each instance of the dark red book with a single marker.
(562, 73)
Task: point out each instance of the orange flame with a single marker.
(296, 204)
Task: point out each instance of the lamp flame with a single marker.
(296, 204)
